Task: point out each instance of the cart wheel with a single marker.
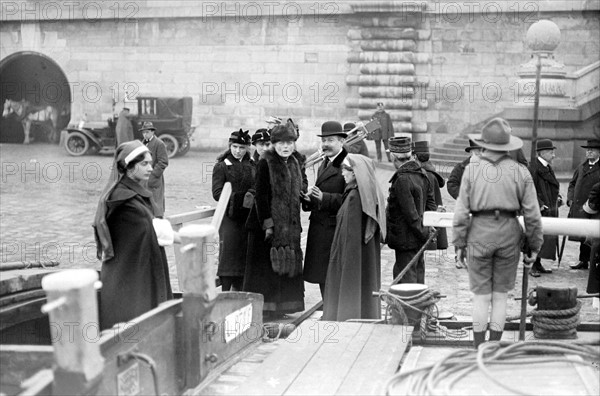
(184, 146)
(171, 143)
(77, 144)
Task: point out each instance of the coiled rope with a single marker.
(439, 378)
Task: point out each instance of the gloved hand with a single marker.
(269, 234)
(529, 259)
(248, 199)
(569, 203)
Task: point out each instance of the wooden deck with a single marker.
(555, 378)
(324, 358)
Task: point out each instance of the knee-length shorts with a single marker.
(493, 252)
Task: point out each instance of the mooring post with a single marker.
(199, 250)
(72, 307)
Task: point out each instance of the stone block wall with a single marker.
(454, 65)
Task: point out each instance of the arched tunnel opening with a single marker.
(39, 80)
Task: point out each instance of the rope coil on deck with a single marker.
(557, 320)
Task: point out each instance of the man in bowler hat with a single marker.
(586, 175)
(160, 161)
(453, 184)
(410, 195)
(485, 227)
(549, 200)
(323, 201)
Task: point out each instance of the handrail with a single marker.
(186, 217)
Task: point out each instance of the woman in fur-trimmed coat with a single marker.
(274, 258)
(234, 166)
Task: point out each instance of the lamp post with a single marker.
(542, 38)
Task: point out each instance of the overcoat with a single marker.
(232, 233)
(387, 127)
(323, 219)
(275, 178)
(453, 184)
(156, 182)
(593, 285)
(584, 177)
(547, 189)
(124, 129)
(437, 182)
(354, 271)
(410, 195)
(136, 279)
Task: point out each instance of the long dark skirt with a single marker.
(282, 294)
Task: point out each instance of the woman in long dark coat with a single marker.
(234, 166)
(354, 271)
(135, 273)
(274, 260)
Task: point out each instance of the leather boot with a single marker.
(478, 338)
(495, 335)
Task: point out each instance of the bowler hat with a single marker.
(261, 135)
(147, 126)
(400, 145)
(544, 144)
(496, 136)
(472, 146)
(240, 137)
(421, 147)
(349, 126)
(594, 143)
(332, 128)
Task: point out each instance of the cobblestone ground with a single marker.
(48, 200)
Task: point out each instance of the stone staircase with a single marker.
(445, 155)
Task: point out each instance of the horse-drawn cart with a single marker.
(172, 118)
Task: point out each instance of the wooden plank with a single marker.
(281, 368)
(385, 346)
(341, 344)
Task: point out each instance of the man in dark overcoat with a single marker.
(323, 201)
(592, 208)
(410, 195)
(124, 129)
(585, 176)
(421, 152)
(160, 161)
(453, 184)
(549, 199)
(385, 132)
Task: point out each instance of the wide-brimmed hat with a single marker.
(544, 144)
(421, 147)
(240, 137)
(147, 126)
(349, 126)
(400, 145)
(472, 145)
(594, 143)
(332, 128)
(496, 136)
(261, 135)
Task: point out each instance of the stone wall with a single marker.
(242, 64)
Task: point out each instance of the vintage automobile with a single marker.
(172, 118)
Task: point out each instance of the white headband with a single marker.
(137, 151)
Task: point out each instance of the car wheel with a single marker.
(171, 143)
(77, 144)
(184, 146)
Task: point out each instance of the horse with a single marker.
(29, 113)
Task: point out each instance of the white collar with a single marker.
(543, 161)
(593, 163)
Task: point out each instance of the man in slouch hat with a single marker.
(493, 191)
(160, 161)
(410, 195)
(323, 201)
(549, 200)
(585, 176)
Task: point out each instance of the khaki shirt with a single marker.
(495, 181)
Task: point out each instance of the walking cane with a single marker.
(526, 267)
(562, 249)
